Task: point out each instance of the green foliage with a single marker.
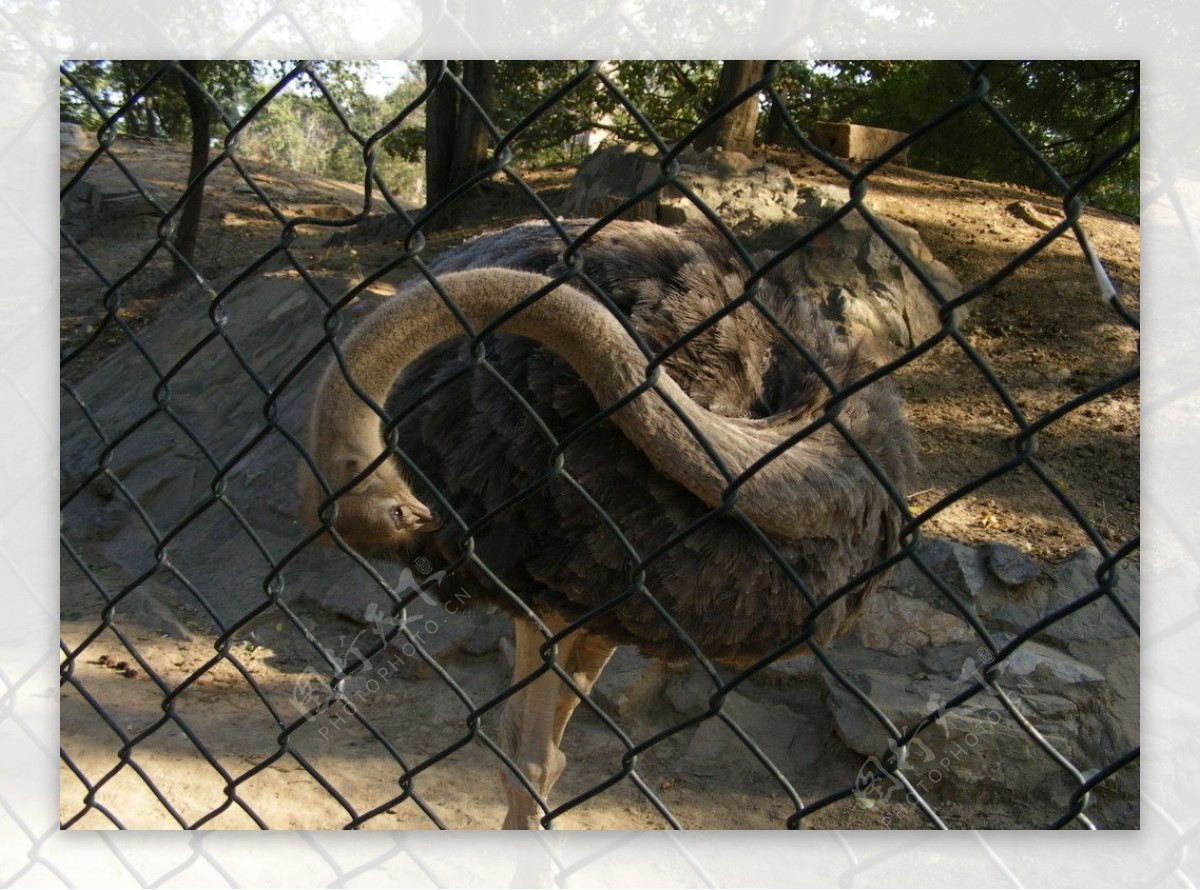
(298, 129)
(1072, 112)
(147, 96)
(522, 86)
(671, 96)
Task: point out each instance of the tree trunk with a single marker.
(776, 128)
(189, 216)
(456, 142)
(151, 117)
(471, 138)
(735, 130)
(441, 121)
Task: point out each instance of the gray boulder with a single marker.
(854, 275)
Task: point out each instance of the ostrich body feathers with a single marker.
(553, 550)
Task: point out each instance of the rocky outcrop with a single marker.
(1072, 688)
(857, 278)
(74, 143)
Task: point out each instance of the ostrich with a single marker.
(739, 383)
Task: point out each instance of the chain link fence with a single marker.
(226, 664)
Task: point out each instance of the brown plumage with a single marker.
(740, 381)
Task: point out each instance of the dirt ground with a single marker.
(335, 751)
(1044, 331)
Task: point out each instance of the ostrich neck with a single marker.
(806, 491)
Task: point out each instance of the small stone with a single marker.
(819, 202)
(630, 684)
(1100, 619)
(730, 163)
(1034, 659)
(688, 689)
(714, 746)
(901, 625)
(961, 566)
(792, 669)
(1010, 566)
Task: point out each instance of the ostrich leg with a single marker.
(535, 718)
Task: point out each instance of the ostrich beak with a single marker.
(427, 520)
(418, 518)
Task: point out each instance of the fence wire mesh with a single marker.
(226, 664)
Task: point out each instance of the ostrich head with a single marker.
(380, 517)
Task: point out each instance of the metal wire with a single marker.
(169, 540)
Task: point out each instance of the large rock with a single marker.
(1075, 682)
(746, 194)
(74, 143)
(786, 737)
(974, 753)
(855, 277)
(903, 625)
(176, 444)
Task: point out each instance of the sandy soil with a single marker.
(1044, 331)
(703, 775)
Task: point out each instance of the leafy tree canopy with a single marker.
(1073, 112)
